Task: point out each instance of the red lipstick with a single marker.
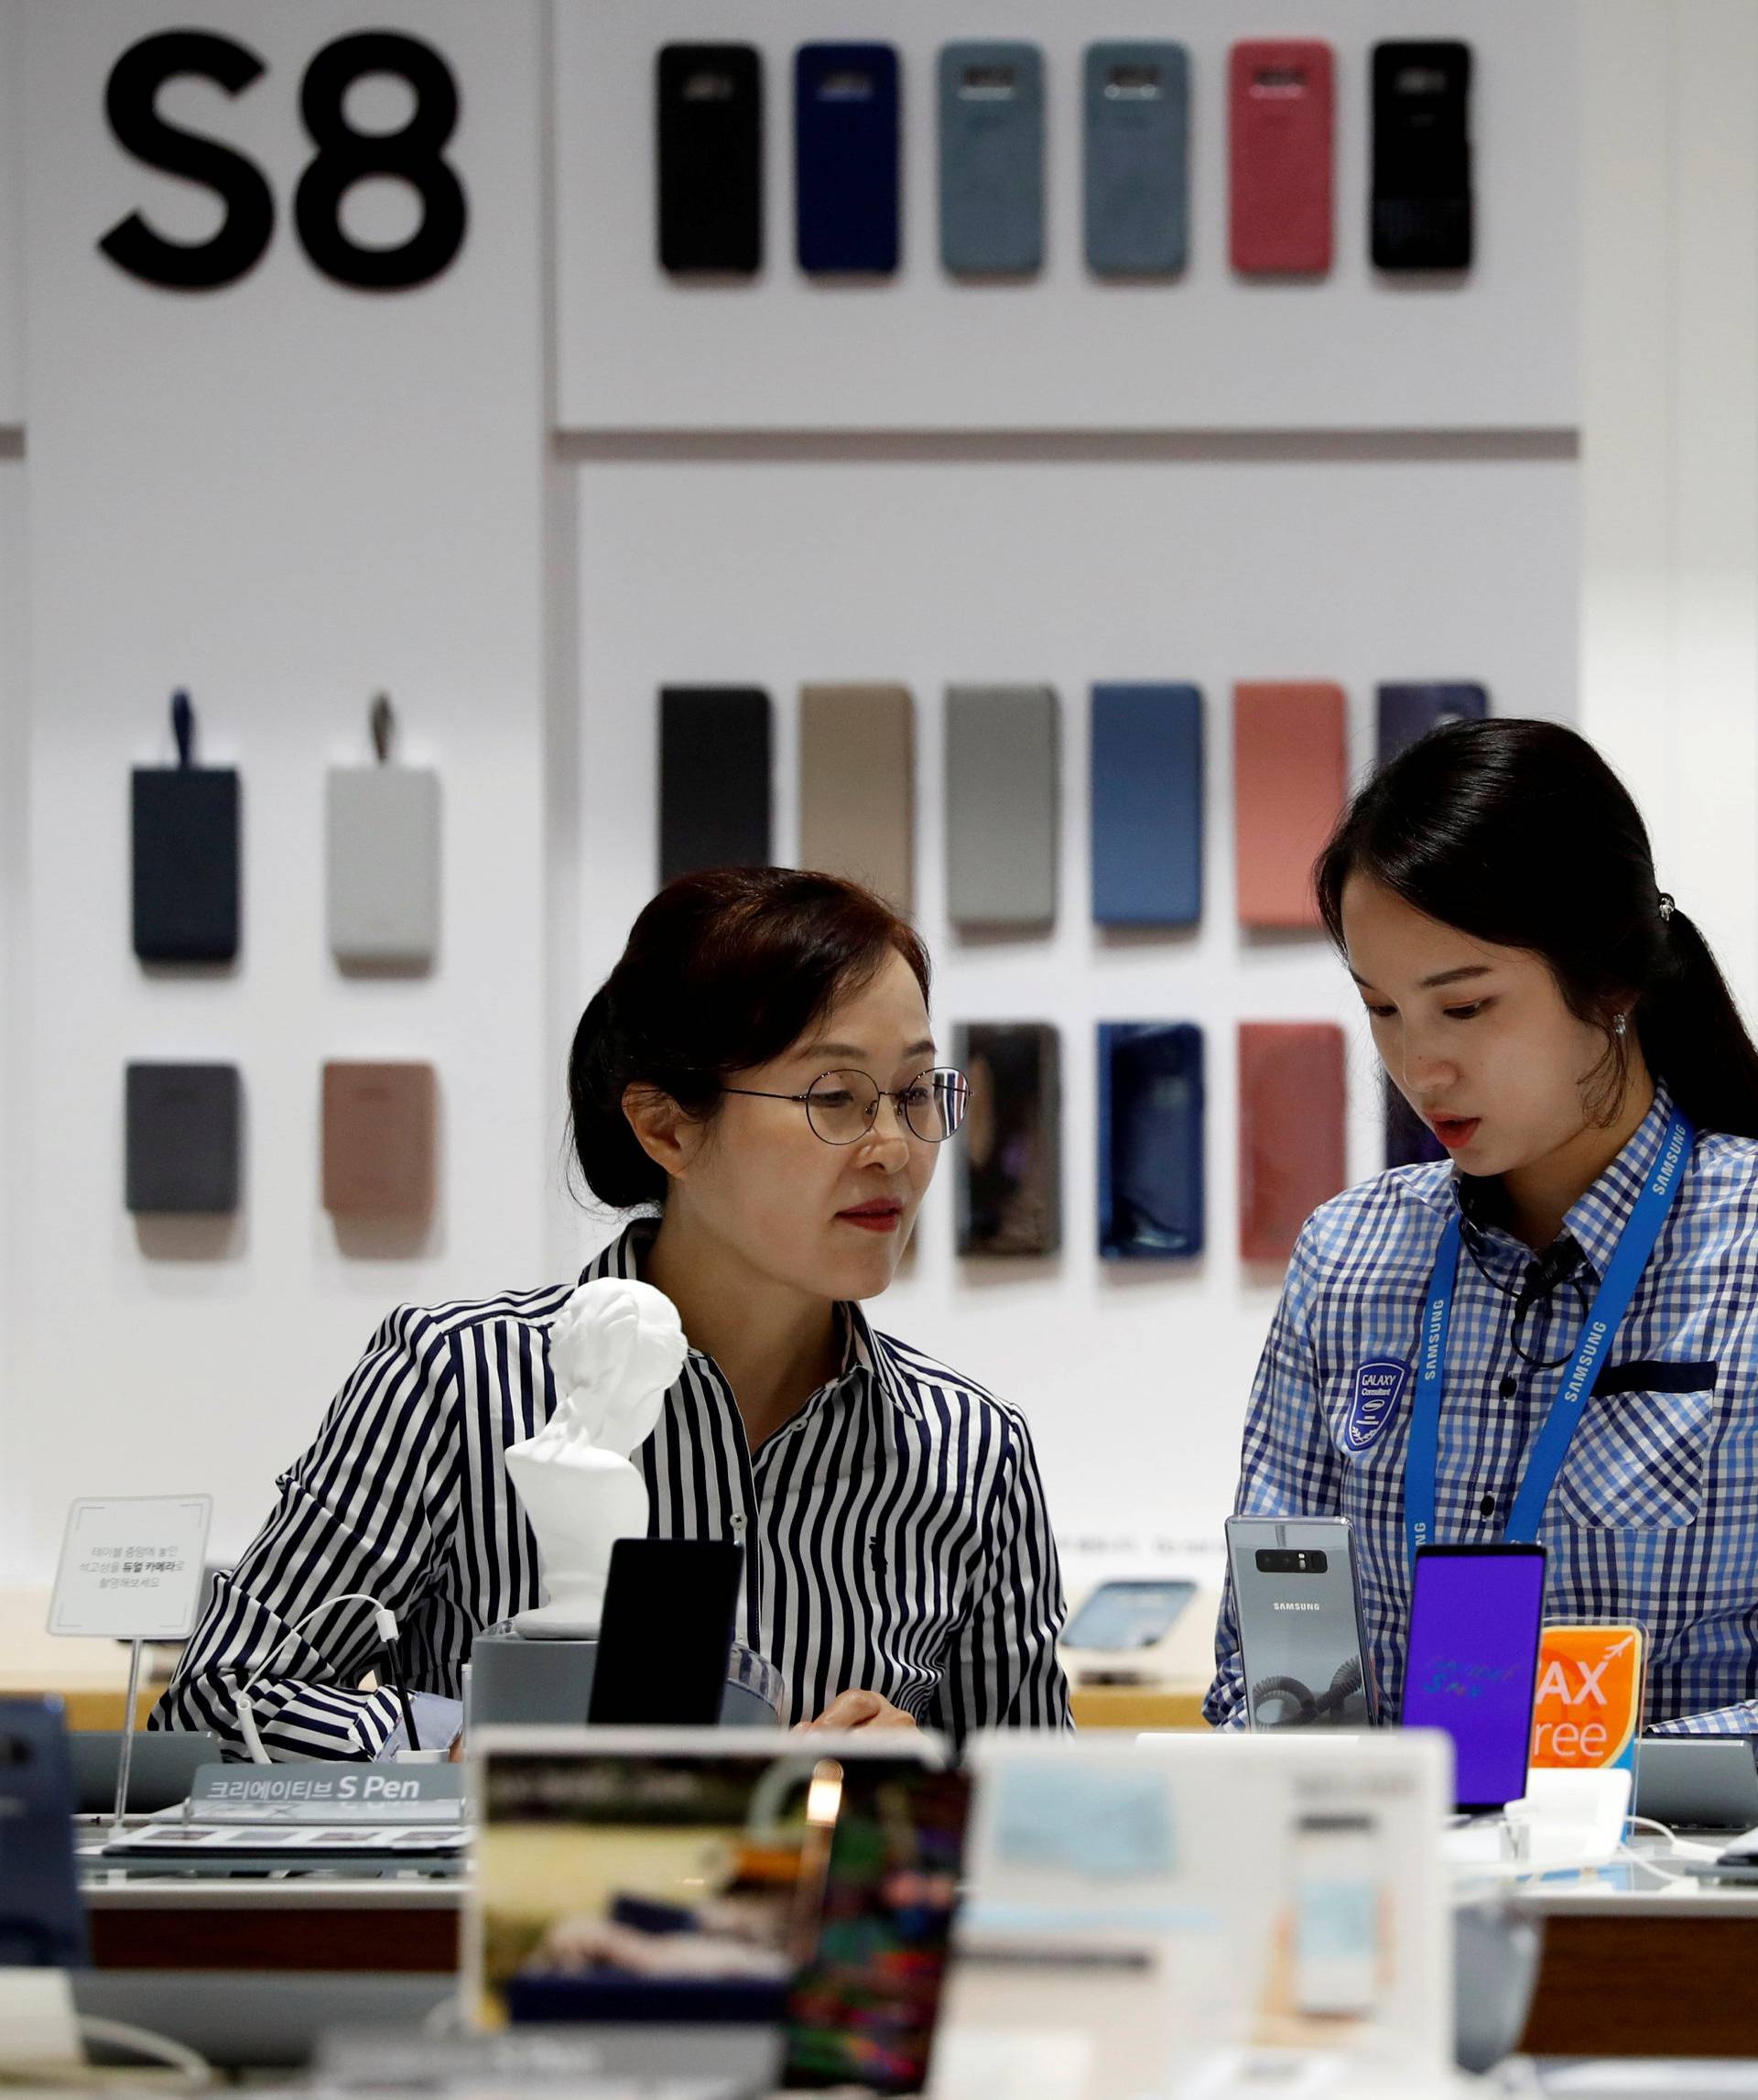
(884, 1215)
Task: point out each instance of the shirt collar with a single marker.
(1595, 1220)
(863, 1356)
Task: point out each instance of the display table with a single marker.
(1138, 1707)
(314, 1922)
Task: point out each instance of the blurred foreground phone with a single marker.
(1340, 1915)
(42, 1920)
(1476, 1618)
(667, 1636)
(1300, 1637)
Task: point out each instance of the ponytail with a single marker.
(1520, 835)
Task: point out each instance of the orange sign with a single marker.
(1589, 1707)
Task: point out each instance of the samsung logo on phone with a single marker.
(1276, 1605)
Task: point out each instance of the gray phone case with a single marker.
(1001, 797)
(382, 825)
(992, 158)
(1137, 148)
(1300, 1635)
(181, 1138)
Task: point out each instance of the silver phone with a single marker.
(1300, 1635)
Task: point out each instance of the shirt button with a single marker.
(1510, 1387)
(1487, 1507)
(738, 1524)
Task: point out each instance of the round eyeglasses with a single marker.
(843, 1106)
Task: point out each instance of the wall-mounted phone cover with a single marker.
(1002, 801)
(992, 158)
(1409, 1142)
(1137, 154)
(1150, 1141)
(709, 120)
(181, 1140)
(1010, 1158)
(1289, 763)
(1408, 711)
(1291, 1151)
(1422, 155)
(185, 850)
(845, 159)
(382, 852)
(714, 778)
(378, 1139)
(857, 785)
(1147, 805)
(1279, 147)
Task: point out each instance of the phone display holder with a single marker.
(517, 1678)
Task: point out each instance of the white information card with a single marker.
(132, 1567)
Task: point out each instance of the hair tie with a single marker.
(1666, 909)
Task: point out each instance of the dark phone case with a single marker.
(181, 1140)
(1150, 1141)
(378, 1139)
(1290, 762)
(1147, 805)
(845, 159)
(1279, 155)
(1138, 150)
(670, 1607)
(185, 863)
(1291, 1152)
(709, 120)
(992, 158)
(1410, 711)
(714, 778)
(1009, 1160)
(42, 1916)
(1422, 217)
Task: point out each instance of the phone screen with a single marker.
(667, 1636)
(1336, 1953)
(1475, 1621)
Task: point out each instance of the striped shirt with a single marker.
(1655, 1514)
(894, 1529)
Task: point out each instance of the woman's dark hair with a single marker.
(723, 971)
(1520, 835)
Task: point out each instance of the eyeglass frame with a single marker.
(892, 1094)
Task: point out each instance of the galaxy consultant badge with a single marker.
(1379, 1387)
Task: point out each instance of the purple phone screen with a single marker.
(1474, 1628)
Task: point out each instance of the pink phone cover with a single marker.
(1291, 1155)
(1288, 773)
(1279, 155)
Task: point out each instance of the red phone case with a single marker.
(1288, 771)
(1291, 1156)
(1280, 94)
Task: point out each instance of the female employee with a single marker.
(1562, 1029)
(758, 1072)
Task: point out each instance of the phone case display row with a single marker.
(382, 856)
(1002, 790)
(1292, 1100)
(183, 1139)
(847, 118)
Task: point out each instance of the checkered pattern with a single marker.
(1655, 1516)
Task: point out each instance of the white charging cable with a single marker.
(384, 1618)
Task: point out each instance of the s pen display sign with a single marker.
(413, 153)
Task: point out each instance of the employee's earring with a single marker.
(1621, 1025)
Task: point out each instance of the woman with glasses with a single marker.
(759, 1081)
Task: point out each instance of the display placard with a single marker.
(132, 1567)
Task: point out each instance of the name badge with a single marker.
(1379, 1387)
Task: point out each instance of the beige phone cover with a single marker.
(378, 1139)
(857, 785)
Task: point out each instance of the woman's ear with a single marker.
(666, 1133)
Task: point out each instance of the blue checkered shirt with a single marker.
(1655, 1514)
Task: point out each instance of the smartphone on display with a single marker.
(1476, 1619)
(670, 1607)
(1337, 1874)
(1300, 1635)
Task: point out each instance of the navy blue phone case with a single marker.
(1408, 711)
(1150, 1141)
(846, 158)
(42, 1920)
(1147, 805)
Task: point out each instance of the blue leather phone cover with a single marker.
(1137, 150)
(1150, 1141)
(1408, 711)
(992, 158)
(845, 159)
(1147, 805)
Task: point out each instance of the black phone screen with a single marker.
(670, 1607)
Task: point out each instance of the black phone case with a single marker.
(708, 112)
(185, 825)
(182, 1137)
(1422, 215)
(670, 1613)
(1009, 1156)
(714, 778)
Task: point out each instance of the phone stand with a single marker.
(517, 1678)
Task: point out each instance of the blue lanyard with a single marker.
(1550, 1446)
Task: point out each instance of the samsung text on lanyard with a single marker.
(1550, 1446)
